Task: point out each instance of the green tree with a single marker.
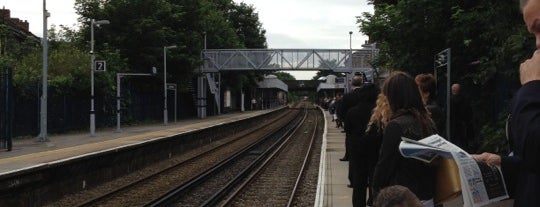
(246, 23)
(250, 34)
(284, 76)
(324, 73)
(487, 39)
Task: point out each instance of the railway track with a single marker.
(278, 181)
(269, 174)
(221, 166)
(208, 188)
(138, 191)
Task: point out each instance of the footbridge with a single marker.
(348, 61)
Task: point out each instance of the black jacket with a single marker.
(357, 116)
(356, 121)
(348, 101)
(436, 114)
(394, 169)
(522, 170)
(460, 120)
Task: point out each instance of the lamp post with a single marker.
(92, 67)
(350, 40)
(165, 114)
(347, 77)
(42, 137)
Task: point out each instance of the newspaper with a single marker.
(481, 184)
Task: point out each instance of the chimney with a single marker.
(5, 13)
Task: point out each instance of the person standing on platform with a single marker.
(427, 86)
(338, 102)
(253, 103)
(356, 121)
(521, 169)
(461, 131)
(373, 139)
(409, 119)
(348, 101)
(332, 108)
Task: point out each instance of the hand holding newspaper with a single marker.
(481, 184)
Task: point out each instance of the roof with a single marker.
(326, 86)
(272, 81)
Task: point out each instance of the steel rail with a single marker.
(106, 195)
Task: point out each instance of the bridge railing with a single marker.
(337, 60)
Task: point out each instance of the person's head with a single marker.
(427, 86)
(456, 88)
(404, 97)
(402, 92)
(397, 196)
(357, 81)
(531, 16)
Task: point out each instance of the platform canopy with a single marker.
(271, 81)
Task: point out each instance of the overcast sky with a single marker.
(319, 24)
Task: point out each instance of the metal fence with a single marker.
(69, 111)
(6, 111)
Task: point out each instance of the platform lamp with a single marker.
(42, 137)
(92, 67)
(165, 114)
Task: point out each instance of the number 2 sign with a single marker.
(100, 66)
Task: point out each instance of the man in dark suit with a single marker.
(461, 132)
(348, 101)
(522, 168)
(356, 121)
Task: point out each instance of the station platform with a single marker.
(27, 153)
(332, 188)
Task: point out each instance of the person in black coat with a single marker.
(348, 101)
(522, 168)
(427, 86)
(373, 138)
(461, 132)
(356, 121)
(409, 119)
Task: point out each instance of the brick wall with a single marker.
(5, 15)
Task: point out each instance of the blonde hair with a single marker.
(381, 113)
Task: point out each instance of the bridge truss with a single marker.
(348, 61)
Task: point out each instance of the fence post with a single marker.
(6, 97)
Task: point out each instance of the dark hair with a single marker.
(396, 195)
(403, 96)
(426, 83)
(357, 80)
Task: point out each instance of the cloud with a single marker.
(280, 40)
(311, 23)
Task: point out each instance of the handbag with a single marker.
(448, 183)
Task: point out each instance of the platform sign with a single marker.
(100, 66)
(171, 86)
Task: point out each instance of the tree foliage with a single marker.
(284, 76)
(140, 29)
(487, 40)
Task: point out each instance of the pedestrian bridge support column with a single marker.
(215, 89)
(201, 97)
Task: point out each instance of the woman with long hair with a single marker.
(373, 138)
(409, 119)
